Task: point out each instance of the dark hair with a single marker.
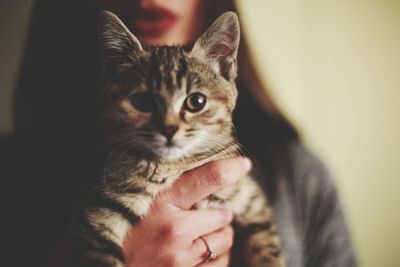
(55, 111)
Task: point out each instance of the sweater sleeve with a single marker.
(317, 218)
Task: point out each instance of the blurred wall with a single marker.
(334, 67)
(13, 21)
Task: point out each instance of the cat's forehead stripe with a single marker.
(168, 67)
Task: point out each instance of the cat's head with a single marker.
(165, 100)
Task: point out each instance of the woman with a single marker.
(55, 119)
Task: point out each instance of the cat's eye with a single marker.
(144, 102)
(195, 102)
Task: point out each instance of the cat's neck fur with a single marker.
(127, 169)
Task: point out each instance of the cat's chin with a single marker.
(170, 153)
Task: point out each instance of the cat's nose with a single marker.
(169, 131)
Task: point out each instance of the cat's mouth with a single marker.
(171, 143)
(170, 151)
(166, 148)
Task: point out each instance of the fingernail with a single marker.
(247, 164)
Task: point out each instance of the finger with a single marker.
(221, 261)
(219, 242)
(201, 182)
(202, 222)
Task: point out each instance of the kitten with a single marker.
(168, 110)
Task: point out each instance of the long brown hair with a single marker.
(55, 113)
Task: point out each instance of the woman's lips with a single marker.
(153, 21)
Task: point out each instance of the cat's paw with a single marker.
(263, 250)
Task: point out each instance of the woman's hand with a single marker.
(169, 234)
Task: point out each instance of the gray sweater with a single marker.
(309, 215)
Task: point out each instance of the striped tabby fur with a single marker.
(139, 163)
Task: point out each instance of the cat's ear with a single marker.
(117, 43)
(220, 44)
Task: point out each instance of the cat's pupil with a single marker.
(144, 102)
(195, 102)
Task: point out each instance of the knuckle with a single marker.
(173, 260)
(170, 261)
(157, 206)
(216, 176)
(168, 233)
